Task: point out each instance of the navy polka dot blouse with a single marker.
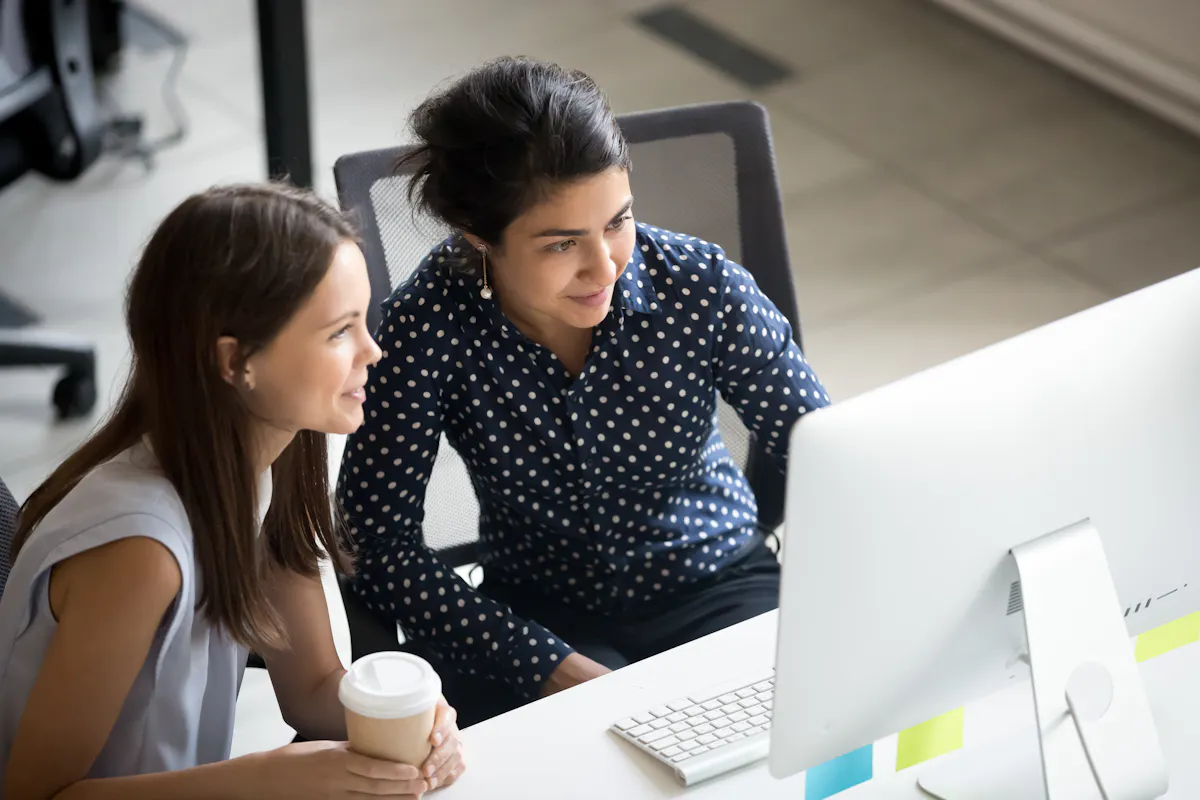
(602, 491)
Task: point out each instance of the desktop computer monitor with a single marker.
(1022, 509)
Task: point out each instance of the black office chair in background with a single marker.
(8, 529)
(49, 122)
(706, 170)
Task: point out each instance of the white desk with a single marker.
(559, 747)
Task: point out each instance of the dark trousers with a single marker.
(740, 592)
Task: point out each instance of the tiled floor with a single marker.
(943, 191)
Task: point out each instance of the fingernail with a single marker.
(437, 739)
(429, 770)
(433, 784)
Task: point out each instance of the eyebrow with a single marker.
(560, 232)
(342, 318)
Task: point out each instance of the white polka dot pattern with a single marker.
(602, 491)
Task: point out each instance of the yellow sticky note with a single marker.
(1166, 638)
(931, 739)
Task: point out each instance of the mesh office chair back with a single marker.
(8, 529)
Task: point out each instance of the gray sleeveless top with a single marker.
(179, 711)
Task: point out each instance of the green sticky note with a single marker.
(1166, 638)
(931, 739)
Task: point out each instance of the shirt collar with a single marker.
(634, 290)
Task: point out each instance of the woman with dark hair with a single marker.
(189, 528)
(573, 358)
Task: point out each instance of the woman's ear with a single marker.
(229, 362)
(475, 241)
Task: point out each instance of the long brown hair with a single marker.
(232, 261)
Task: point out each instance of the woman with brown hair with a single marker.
(189, 528)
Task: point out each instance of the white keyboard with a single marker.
(707, 735)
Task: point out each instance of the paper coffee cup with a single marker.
(390, 700)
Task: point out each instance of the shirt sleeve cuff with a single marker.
(533, 655)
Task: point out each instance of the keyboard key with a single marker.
(641, 730)
(717, 743)
(753, 731)
(721, 723)
(735, 737)
(679, 705)
(679, 727)
(653, 736)
(661, 711)
(711, 705)
(642, 719)
(693, 711)
(754, 711)
(680, 757)
(685, 736)
(714, 715)
(730, 709)
(659, 724)
(663, 744)
(678, 716)
(703, 729)
(744, 693)
(740, 716)
(759, 720)
(765, 697)
(727, 698)
(764, 686)
(708, 738)
(749, 703)
(725, 733)
(689, 746)
(699, 750)
(626, 724)
(742, 727)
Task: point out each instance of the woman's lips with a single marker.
(593, 300)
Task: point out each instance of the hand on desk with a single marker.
(574, 670)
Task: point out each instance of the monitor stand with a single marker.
(1096, 736)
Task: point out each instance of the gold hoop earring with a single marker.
(486, 291)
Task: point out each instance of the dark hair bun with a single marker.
(492, 142)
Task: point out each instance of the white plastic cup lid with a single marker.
(390, 685)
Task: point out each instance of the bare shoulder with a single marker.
(134, 571)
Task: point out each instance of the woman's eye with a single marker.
(340, 333)
(619, 222)
(561, 247)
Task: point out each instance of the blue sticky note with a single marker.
(838, 775)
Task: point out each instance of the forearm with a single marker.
(319, 715)
(227, 780)
(460, 624)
